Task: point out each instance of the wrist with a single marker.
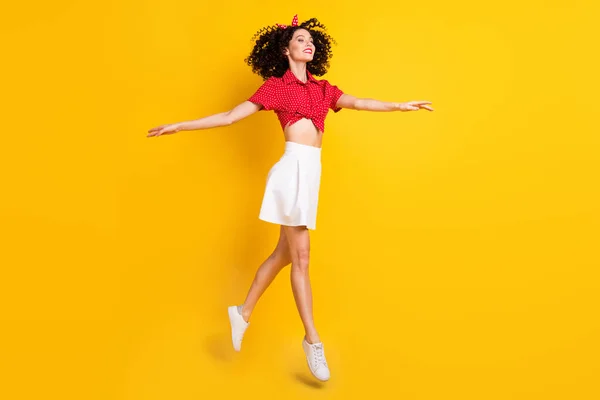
(399, 107)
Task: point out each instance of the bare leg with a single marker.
(266, 273)
(299, 244)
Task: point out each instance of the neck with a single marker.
(299, 70)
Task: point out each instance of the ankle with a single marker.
(312, 338)
(245, 313)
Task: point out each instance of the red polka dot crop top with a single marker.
(292, 99)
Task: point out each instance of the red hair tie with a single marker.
(294, 22)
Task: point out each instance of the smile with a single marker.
(308, 51)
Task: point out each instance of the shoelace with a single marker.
(319, 356)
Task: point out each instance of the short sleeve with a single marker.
(333, 93)
(266, 95)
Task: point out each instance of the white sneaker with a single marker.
(315, 356)
(238, 327)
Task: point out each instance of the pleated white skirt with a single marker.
(292, 190)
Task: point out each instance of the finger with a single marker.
(157, 128)
(419, 102)
(427, 108)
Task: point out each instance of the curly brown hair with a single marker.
(267, 57)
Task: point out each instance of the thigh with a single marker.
(298, 238)
(283, 247)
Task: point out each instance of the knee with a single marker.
(300, 260)
(281, 257)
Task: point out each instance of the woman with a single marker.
(288, 58)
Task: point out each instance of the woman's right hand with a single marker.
(166, 129)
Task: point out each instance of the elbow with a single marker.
(228, 119)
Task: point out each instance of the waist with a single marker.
(304, 132)
(303, 150)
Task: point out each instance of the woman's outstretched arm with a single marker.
(363, 104)
(232, 116)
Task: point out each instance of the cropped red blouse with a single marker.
(292, 99)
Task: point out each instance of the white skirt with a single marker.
(292, 190)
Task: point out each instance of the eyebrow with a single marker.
(303, 36)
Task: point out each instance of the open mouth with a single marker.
(308, 51)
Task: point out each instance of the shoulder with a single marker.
(270, 85)
(325, 83)
(274, 80)
(328, 87)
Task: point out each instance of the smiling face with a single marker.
(301, 47)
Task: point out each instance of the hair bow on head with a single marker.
(294, 22)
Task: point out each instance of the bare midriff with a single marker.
(303, 131)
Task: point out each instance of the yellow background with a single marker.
(456, 252)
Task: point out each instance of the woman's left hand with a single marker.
(415, 106)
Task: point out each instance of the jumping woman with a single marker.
(288, 58)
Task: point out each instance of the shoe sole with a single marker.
(313, 374)
(311, 371)
(229, 312)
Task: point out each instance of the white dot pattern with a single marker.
(292, 99)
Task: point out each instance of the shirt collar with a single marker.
(289, 77)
